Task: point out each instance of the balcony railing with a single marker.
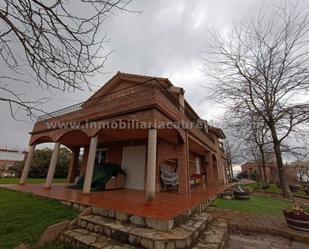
(116, 95)
(62, 111)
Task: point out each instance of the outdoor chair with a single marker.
(198, 179)
(169, 179)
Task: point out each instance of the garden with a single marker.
(24, 217)
(255, 200)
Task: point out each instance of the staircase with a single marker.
(101, 228)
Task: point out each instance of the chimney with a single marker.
(181, 98)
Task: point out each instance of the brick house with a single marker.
(250, 168)
(8, 161)
(140, 123)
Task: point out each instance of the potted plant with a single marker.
(227, 194)
(297, 218)
(241, 193)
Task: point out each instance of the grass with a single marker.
(15, 180)
(257, 186)
(256, 205)
(23, 217)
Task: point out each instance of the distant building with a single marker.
(8, 161)
(251, 168)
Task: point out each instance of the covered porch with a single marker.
(139, 152)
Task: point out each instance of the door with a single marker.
(133, 163)
(100, 156)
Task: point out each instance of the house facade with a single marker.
(139, 123)
(8, 160)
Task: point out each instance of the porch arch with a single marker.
(73, 138)
(41, 140)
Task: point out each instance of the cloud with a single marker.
(164, 40)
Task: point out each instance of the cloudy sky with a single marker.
(164, 40)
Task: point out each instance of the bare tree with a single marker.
(58, 44)
(259, 135)
(252, 136)
(231, 150)
(264, 67)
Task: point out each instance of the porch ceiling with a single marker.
(80, 138)
(111, 135)
(196, 147)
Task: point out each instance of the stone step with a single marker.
(149, 222)
(214, 237)
(182, 236)
(85, 239)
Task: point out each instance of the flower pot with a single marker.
(245, 195)
(228, 195)
(294, 187)
(297, 221)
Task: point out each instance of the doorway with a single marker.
(133, 163)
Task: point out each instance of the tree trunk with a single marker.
(230, 166)
(281, 171)
(260, 172)
(265, 183)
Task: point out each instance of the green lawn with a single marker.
(257, 186)
(15, 180)
(23, 217)
(256, 205)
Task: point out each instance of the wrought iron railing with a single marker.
(110, 97)
(62, 111)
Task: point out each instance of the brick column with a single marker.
(209, 170)
(183, 168)
(27, 165)
(90, 164)
(72, 172)
(52, 166)
(83, 165)
(151, 165)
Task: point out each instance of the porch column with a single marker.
(183, 167)
(90, 164)
(72, 172)
(52, 166)
(27, 165)
(151, 165)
